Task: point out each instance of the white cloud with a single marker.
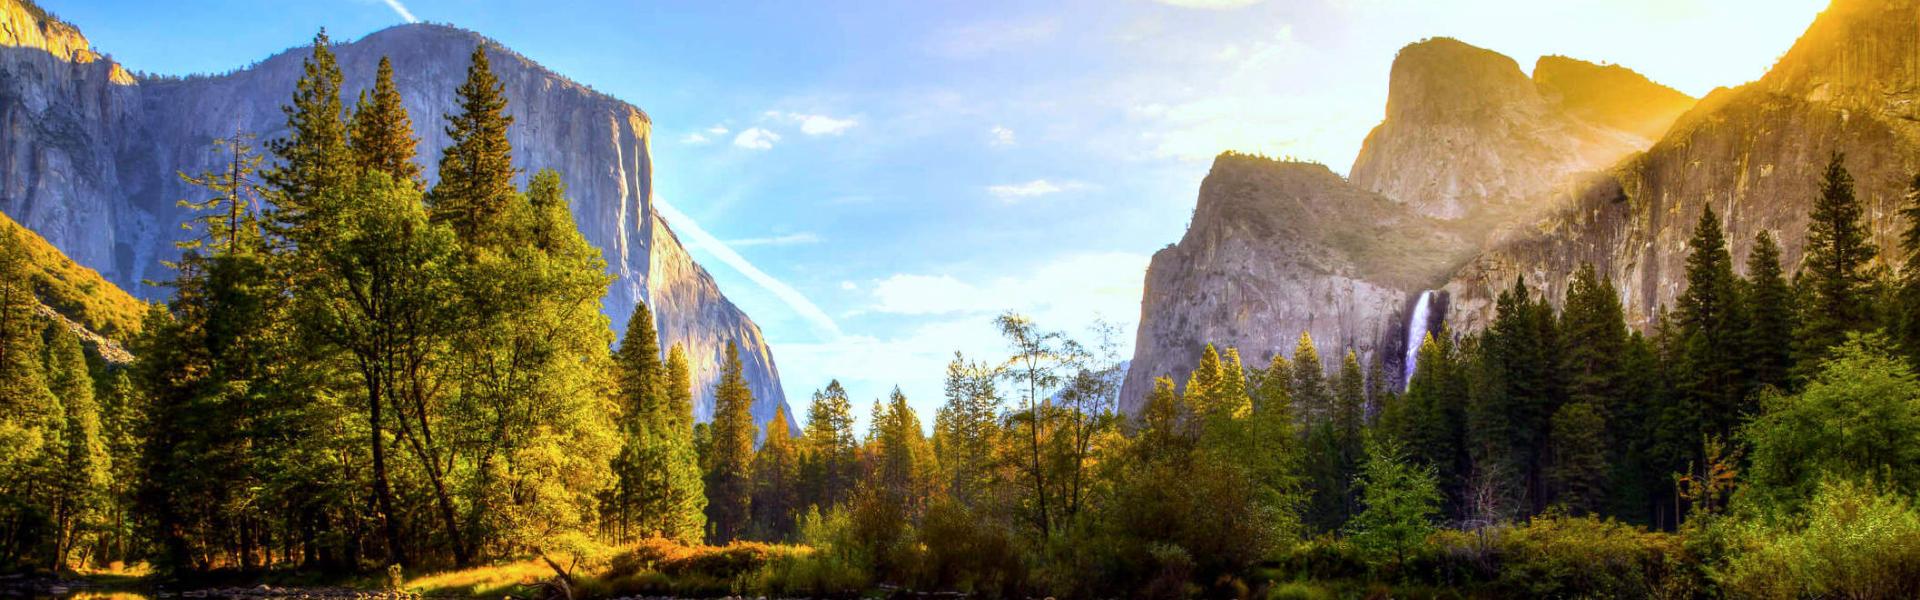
(795, 300)
(1210, 4)
(1002, 136)
(717, 130)
(695, 138)
(401, 9)
(755, 138)
(791, 239)
(1015, 192)
(815, 124)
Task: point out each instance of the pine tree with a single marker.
(1907, 326)
(1400, 500)
(315, 162)
(1512, 414)
(1200, 390)
(1309, 382)
(1596, 339)
(1834, 271)
(82, 460)
(382, 133)
(966, 430)
(830, 447)
(1770, 316)
(476, 169)
(730, 468)
(679, 389)
(1712, 324)
(776, 469)
(657, 489)
(1578, 474)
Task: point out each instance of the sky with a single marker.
(873, 182)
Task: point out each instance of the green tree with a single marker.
(476, 169)
(1770, 311)
(1595, 330)
(1309, 382)
(657, 489)
(730, 465)
(382, 133)
(1907, 326)
(776, 471)
(1400, 500)
(966, 430)
(1711, 324)
(1858, 418)
(1578, 473)
(1835, 270)
(830, 447)
(83, 466)
(315, 162)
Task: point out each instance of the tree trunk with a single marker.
(384, 493)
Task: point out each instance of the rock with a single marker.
(91, 153)
(1278, 248)
(1756, 153)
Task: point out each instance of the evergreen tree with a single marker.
(1519, 392)
(315, 162)
(382, 133)
(1711, 329)
(1770, 311)
(1400, 500)
(657, 489)
(966, 430)
(730, 465)
(1309, 382)
(476, 169)
(679, 390)
(776, 470)
(1432, 420)
(1834, 270)
(1596, 339)
(1906, 327)
(1201, 389)
(82, 463)
(1578, 475)
(830, 447)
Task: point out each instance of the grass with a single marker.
(489, 581)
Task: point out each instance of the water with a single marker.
(1416, 333)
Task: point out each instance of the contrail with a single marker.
(401, 9)
(792, 297)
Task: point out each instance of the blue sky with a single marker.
(880, 179)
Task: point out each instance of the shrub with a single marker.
(834, 566)
(1559, 556)
(1853, 541)
(660, 566)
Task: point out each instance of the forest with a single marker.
(360, 377)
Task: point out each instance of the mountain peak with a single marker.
(24, 24)
(1609, 95)
(1856, 53)
(1446, 79)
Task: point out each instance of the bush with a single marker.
(1559, 556)
(834, 566)
(967, 553)
(1853, 541)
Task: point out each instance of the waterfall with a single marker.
(1416, 332)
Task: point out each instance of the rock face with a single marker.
(91, 155)
(1468, 136)
(1470, 145)
(1278, 248)
(1851, 84)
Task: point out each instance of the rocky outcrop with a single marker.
(1468, 136)
(1851, 84)
(1278, 248)
(91, 155)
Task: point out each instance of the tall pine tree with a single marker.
(730, 465)
(1834, 272)
(1712, 325)
(1907, 325)
(1770, 316)
(382, 132)
(476, 169)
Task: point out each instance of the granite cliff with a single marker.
(1470, 145)
(91, 153)
(1276, 248)
(1851, 84)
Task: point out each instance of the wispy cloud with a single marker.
(815, 124)
(795, 300)
(401, 9)
(717, 130)
(791, 239)
(1014, 192)
(695, 138)
(755, 138)
(1002, 136)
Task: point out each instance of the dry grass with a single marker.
(487, 581)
